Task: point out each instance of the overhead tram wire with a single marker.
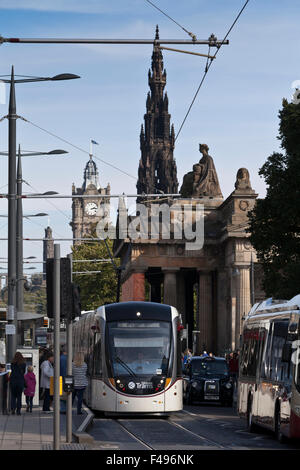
(208, 65)
(170, 18)
(77, 148)
(49, 201)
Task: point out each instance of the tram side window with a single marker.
(250, 352)
(278, 369)
(97, 364)
(265, 365)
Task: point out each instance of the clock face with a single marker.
(91, 208)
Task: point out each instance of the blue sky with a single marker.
(236, 111)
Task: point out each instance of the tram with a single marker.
(133, 352)
(269, 369)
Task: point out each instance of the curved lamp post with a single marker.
(12, 206)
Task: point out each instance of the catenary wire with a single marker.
(170, 18)
(50, 202)
(78, 148)
(208, 65)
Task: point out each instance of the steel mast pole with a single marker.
(19, 241)
(11, 303)
(69, 367)
(56, 305)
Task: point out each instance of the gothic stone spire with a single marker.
(157, 169)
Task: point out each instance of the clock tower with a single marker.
(86, 212)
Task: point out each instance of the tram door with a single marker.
(31, 356)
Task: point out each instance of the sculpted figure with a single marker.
(208, 184)
(186, 189)
(242, 179)
(203, 180)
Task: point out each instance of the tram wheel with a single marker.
(250, 425)
(278, 433)
(189, 400)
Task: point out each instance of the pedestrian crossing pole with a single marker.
(69, 368)
(56, 305)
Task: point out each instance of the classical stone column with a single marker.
(243, 295)
(223, 335)
(170, 286)
(133, 289)
(205, 305)
(232, 308)
(155, 291)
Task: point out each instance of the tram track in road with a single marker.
(141, 441)
(213, 443)
(184, 430)
(157, 434)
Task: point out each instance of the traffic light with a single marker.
(49, 286)
(66, 294)
(76, 311)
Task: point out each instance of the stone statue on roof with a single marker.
(203, 180)
(243, 180)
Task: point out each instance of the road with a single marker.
(197, 427)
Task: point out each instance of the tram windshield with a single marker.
(139, 348)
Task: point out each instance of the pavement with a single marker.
(34, 431)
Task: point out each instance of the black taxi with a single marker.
(208, 379)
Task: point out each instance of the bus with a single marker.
(269, 375)
(133, 354)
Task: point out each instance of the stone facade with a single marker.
(211, 287)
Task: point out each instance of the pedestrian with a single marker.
(234, 365)
(79, 371)
(186, 359)
(187, 355)
(204, 354)
(30, 383)
(43, 356)
(63, 373)
(17, 383)
(46, 373)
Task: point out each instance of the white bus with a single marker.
(269, 375)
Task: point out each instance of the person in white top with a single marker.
(47, 372)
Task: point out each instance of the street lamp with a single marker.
(12, 207)
(19, 231)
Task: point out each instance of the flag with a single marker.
(94, 142)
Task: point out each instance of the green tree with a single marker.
(275, 221)
(95, 289)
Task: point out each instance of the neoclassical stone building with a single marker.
(212, 287)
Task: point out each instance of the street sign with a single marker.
(10, 329)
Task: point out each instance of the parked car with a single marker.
(208, 379)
